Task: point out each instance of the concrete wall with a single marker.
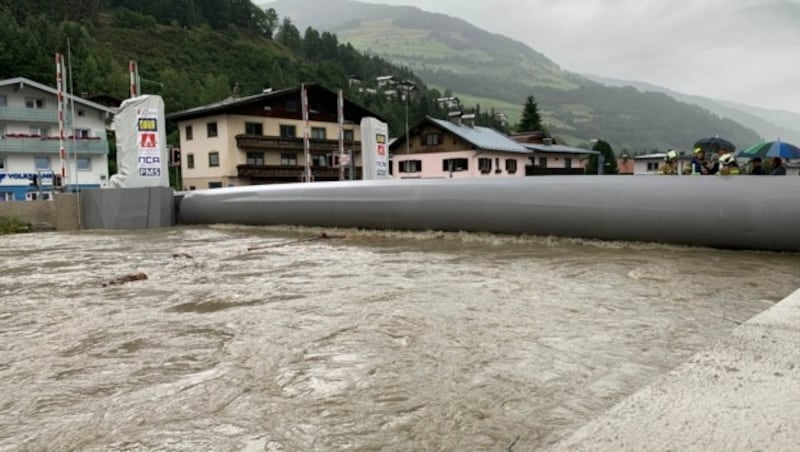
(128, 208)
(61, 213)
(740, 394)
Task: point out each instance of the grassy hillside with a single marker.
(494, 70)
(770, 124)
(423, 50)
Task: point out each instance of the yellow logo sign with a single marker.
(148, 125)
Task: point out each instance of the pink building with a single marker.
(550, 158)
(456, 149)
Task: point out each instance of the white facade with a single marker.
(650, 163)
(29, 144)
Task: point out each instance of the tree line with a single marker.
(178, 44)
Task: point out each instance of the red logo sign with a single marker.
(147, 141)
(381, 149)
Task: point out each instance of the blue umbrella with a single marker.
(771, 149)
(714, 144)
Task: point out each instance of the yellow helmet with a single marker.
(727, 159)
(671, 155)
(698, 150)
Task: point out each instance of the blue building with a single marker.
(29, 141)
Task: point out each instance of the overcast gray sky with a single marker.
(741, 50)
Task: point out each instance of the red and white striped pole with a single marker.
(306, 144)
(62, 154)
(134, 71)
(341, 133)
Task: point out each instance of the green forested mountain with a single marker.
(191, 52)
(194, 52)
(450, 53)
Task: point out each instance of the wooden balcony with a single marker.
(278, 173)
(50, 145)
(261, 142)
(537, 171)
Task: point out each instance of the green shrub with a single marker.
(11, 225)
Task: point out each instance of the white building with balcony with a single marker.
(29, 141)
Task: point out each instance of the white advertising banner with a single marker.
(141, 144)
(374, 149)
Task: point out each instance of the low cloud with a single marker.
(739, 50)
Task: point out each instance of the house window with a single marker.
(81, 113)
(410, 166)
(289, 159)
(542, 162)
(34, 103)
(211, 129)
(40, 131)
(511, 166)
(41, 163)
(319, 160)
(288, 131)
(433, 139)
(568, 163)
(84, 164)
(484, 165)
(2, 163)
(348, 135)
(652, 166)
(190, 161)
(215, 185)
(82, 133)
(192, 187)
(189, 133)
(213, 159)
(3, 101)
(253, 128)
(318, 133)
(291, 105)
(456, 165)
(255, 158)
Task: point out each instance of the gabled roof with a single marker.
(557, 149)
(659, 156)
(480, 137)
(230, 103)
(24, 81)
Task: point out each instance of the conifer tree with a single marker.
(531, 120)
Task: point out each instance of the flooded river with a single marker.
(275, 339)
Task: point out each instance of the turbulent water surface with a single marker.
(277, 339)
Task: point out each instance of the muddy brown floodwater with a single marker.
(245, 338)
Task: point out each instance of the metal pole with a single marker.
(408, 151)
(306, 150)
(72, 119)
(62, 154)
(341, 133)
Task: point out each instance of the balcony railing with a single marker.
(292, 143)
(50, 145)
(287, 173)
(28, 115)
(538, 171)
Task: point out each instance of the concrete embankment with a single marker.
(741, 394)
(61, 213)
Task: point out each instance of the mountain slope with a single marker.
(451, 53)
(770, 124)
